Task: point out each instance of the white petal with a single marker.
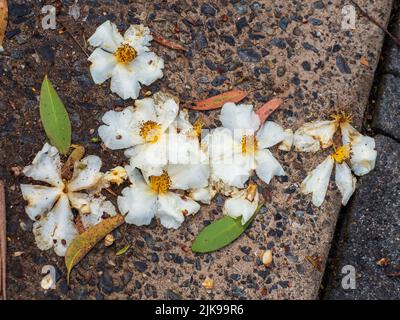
(172, 209)
(86, 174)
(139, 37)
(91, 208)
(40, 199)
(107, 37)
(119, 131)
(239, 205)
(363, 155)
(135, 177)
(167, 108)
(186, 177)
(312, 136)
(138, 203)
(267, 166)
(286, 144)
(239, 116)
(148, 67)
(149, 157)
(270, 134)
(317, 181)
(124, 82)
(103, 64)
(345, 181)
(56, 228)
(183, 123)
(203, 195)
(234, 175)
(46, 166)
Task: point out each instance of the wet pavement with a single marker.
(295, 50)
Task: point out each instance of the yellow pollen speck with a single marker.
(160, 184)
(342, 117)
(341, 154)
(150, 131)
(249, 144)
(125, 53)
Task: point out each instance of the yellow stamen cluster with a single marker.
(160, 184)
(125, 53)
(249, 144)
(150, 131)
(198, 126)
(341, 154)
(342, 117)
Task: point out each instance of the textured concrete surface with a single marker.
(386, 116)
(392, 61)
(295, 50)
(371, 232)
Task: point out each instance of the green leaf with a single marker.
(54, 117)
(123, 250)
(220, 233)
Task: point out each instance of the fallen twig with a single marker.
(3, 246)
(377, 23)
(74, 39)
(168, 43)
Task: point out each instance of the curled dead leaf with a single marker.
(168, 43)
(219, 100)
(265, 111)
(84, 242)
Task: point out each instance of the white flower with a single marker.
(50, 206)
(116, 175)
(242, 204)
(150, 197)
(143, 129)
(126, 60)
(313, 136)
(236, 149)
(363, 155)
(317, 181)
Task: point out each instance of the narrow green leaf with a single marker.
(123, 250)
(54, 117)
(220, 233)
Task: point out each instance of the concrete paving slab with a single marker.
(295, 50)
(370, 237)
(386, 116)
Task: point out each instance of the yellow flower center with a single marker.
(160, 184)
(198, 126)
(249, 144)
(150, 131)
(341, 154)
(342, 117)
(125, 53)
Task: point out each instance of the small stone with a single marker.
(281, 71)
(201, 41)
(19, 10)
(106, 283)
(279, 43)
(240, 24)
(47, 53)
(208, 284)
(109, 240)
(310, 47)
(342, 65)
(306, 65)
(318, 5)
(208, 10)
(283, 23)
(248, 55)
(140, 266)
(267, 258)
(315, 21)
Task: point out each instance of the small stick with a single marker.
(73, 38)
(3, 246)
(377, 23)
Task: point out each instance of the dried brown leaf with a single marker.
(266, 110)
(168, 43)
(219, 100)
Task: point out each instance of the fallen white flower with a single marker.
(149, 197)
(243, 204)
(50, 206)
(236, 149)
(317, 180)
(126, 60)
(313, 136)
